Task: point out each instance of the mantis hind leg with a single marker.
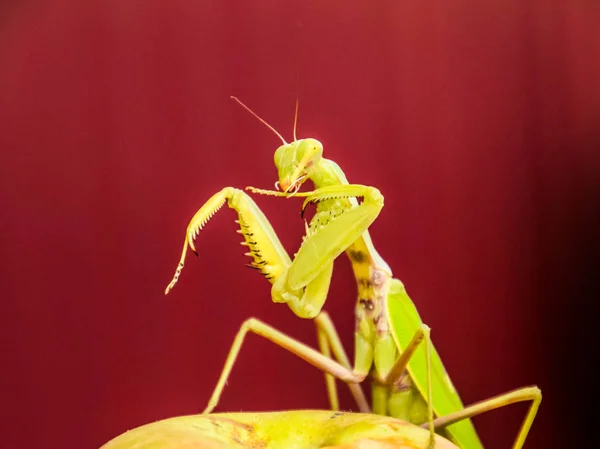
(409, 404)
(302, 350)
(383, 403)
(533, 394)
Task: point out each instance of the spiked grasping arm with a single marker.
(195, 226)
(332, 239)
(327, 243)
(268, 255)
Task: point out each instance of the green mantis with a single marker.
(392, 345)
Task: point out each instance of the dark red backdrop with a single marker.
(478, 123)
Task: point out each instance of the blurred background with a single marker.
(478, 121)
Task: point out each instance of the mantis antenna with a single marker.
(295, 119)
(262, 121)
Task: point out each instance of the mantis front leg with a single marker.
(268, 255)
(270, 259)
(327, 240)
(304, 282)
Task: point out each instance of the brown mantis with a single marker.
(392, 344)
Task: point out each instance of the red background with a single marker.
(477, 120)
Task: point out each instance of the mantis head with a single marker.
(295, 161)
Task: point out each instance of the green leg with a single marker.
(381, 388)
(325, 244)
(329, 340)
(326, 328)
(400, 366)
(329, 379)
(380, 395)
(268, 255)
(303, 351)
(532, 394)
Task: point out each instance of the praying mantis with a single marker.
(392, 344)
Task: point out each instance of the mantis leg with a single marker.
(329, 340)
(267, 253)
(423, 333)
(532, 394)
(328, 334)
(326, 243)
(330, 383)
(303, 351)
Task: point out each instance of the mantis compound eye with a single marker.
(309, 150)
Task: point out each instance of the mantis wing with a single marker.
(404, 322)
